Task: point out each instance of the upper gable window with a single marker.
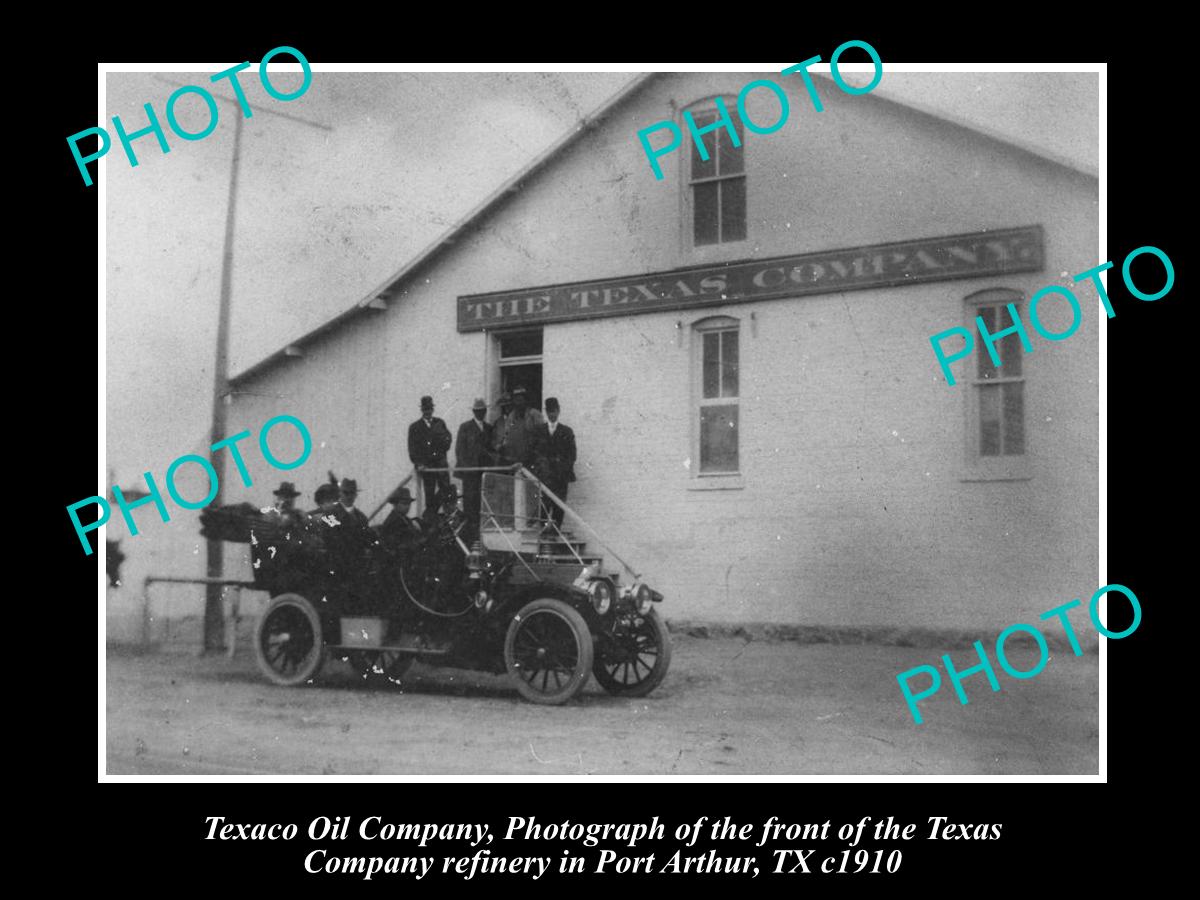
(718, 184)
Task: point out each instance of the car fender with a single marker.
(577, 599)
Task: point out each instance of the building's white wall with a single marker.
(853, 511)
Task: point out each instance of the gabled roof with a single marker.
(393, 286)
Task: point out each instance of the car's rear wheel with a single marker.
(548, 651)
(634, 661)
(380, 663)
(288, 641)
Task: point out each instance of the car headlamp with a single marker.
(601, 590)
(644, 597)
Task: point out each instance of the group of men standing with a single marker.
(519, 434)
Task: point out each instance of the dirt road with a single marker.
(728, 707)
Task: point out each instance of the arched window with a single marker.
(997, 413)
(717, 185)
(717, 390)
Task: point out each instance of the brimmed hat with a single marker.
(479, 403)
(325, 493)
(287, 489)
(551, 403)
(404, 495)
(348, 486)
(426, 402)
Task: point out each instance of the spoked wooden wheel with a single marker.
(380, 663)
(548, 651)
(635, 660)
(288, 641)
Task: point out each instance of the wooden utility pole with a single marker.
(214, 616)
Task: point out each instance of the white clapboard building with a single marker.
(743, 350)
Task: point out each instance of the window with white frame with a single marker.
(717, 391)
(718, 184)
(997, 414)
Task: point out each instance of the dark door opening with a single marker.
(509, 504)
(521, 364)
(526, 375)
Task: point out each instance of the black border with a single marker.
(1056, 835)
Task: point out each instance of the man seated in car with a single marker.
(399, 530)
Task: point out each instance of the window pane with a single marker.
(733, 209)
(986, 368)
(729, 157)
(705, 197)
(1014, 418)
(989, 419)
(712, 365)
(729, 363)
(719, 438)
(527, 343)
(702, 168)
(1010, 350)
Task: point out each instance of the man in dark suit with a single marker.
(398, 530)
(555, 460)
(284, 511)
(520, 428)
(347, 511)
(473, 448)
(500, 425)
(342, 529)
(428, 443)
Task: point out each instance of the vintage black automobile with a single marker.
(528, 598)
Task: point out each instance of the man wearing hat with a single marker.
(428, 443)
(520, 436)
(348, 540)
(398, 529)
(284, 510)
(520, 430)
(500, 425)
(348, 513)
(473, 448)
(555, 460)
(325, 497)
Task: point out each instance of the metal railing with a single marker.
(519, 471)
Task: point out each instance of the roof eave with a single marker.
(453, 232)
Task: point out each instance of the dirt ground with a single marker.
(727, 707)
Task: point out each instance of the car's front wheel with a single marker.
(548, 651)
(288, 641)
(634, 660)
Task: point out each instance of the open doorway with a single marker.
(519, 356)
(520, 359)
